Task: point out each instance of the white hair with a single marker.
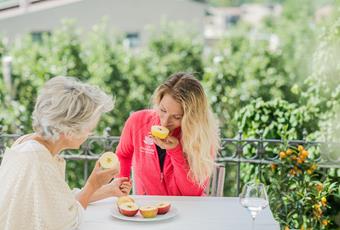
(66, 105)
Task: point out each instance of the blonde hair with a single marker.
(66, 105)
(200, 133)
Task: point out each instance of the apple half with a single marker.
(109, 160)
(124, 199)
(163, 207)
(148, 211)
(160, 132)
(128, 209)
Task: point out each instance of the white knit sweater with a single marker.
(33, 191)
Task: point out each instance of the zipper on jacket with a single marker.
(161, 167)
(162, 177)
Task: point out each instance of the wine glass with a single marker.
(254, 198)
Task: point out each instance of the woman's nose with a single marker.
(165, 120)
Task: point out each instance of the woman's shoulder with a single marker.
(144, 114)
(21, 157)
(28, 150)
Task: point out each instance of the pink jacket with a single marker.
(136, 148)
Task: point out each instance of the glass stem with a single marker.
(252, 223)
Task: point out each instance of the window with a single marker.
(37, 36)
(231, 20)
(132, 39)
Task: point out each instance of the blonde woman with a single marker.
(34, 194)
(181, 164)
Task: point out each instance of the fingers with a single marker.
(108, 174)
(158, 142)
(155, 140)
(126, 184)
(125, 189)
(122, 179)
(116, 171)
(97, 165)
(171, 140)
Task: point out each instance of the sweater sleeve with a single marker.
(179, 177)
(125, 149)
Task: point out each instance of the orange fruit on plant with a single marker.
(283, 155)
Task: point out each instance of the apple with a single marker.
(128, 209)
(163, 207)
(148, 211)
(124, 199)
(159, 131)
(109, 160)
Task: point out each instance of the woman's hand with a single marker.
(168, 143)
(100, 177)
(97, 179)
(117, 187)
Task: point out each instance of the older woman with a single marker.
(34, 194)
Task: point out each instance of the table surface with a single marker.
(209, 213)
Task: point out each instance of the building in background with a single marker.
(131, 17)
(220, 20)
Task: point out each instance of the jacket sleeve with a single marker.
(178, 178)
(125, 149)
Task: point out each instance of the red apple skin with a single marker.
(127, 212)
(163, 210)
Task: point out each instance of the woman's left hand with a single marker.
(119, 186)
(168, 143)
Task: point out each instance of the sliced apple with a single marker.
(128, 209)
(109, 160)
(159, 131)
(148, 211)
(163, 207)
(124, 199)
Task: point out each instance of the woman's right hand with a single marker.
(167, 143)
(100, 177)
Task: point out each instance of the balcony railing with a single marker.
(234, 152)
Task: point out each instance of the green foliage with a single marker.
(108, 63)
(277, 119)
(297, 32)
(241, 70)
(239, 2)
(177, 51)
(297, 197)
(323, 92)
(34, 63)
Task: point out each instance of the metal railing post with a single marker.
(239, 151)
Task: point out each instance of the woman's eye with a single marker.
(163, 110)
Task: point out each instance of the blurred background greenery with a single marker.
(253, 85)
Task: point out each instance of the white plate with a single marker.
(139, 218)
